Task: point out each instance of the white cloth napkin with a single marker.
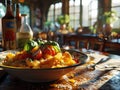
(113, 63)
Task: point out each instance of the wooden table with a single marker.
(111, 46)
(79, 79)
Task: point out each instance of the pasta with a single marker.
(61, 59)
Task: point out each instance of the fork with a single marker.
(102, 60)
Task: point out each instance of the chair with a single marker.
(83, 42)
(76, 41)
(71, 41)
(96, 44)
(80, 42)
(112, 47)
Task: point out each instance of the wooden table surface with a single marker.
(80, 79)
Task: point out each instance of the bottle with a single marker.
(25, 34)
(9, 28)
(18, 17)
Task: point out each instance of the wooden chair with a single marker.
(83, 42)
(76, 41)
(113, 48)
(80, 42)
(71, 41)
(96, 44)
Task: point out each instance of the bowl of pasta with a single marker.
(40, 63)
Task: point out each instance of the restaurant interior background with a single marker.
(75, 16)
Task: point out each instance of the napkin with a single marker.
(112, 64)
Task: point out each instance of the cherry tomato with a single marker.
(37, 55)
(27, 55)
(24, 55)
(49, 50)
(76, 60)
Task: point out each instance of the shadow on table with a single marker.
(112, 84)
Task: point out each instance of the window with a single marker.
(92, 12)
(2, 10)
(54, 11)
(116, 7)
(24, 9)
(53, 14)
(89, 16)
(2, 13)
(74, 12)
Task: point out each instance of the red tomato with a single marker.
(76, 60)
(24, 56)
(27, 55)
(49, 50)
(37, 55)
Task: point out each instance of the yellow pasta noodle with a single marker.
(61, 59)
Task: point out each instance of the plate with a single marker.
(42, 75)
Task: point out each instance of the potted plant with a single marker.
(108, 19)
(63, 20)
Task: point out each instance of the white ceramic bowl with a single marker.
(43, 75)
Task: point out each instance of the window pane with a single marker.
(24, 9)
(93, 4)
(2, 10)
(116, 24)
(72, 23)
(76, 16)
(57, 12)
(77, 9)
(93, 12)
(72, 2)
(77, 2)
(116, 7)
(74, 12)
(89, 10)
(76, 23)
(72, 9)
(58, 5)
(115, 2)
(2, 14)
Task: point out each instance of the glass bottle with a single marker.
(25, 33)
(18, 17)
(9, 28)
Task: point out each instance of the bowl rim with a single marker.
(27, 68)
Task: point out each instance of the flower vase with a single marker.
(63, 29)
(107, 29)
